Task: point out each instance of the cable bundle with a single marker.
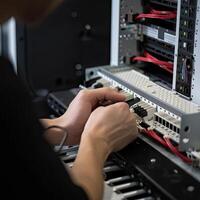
(166, 142)
(157, 14)
(167, 66)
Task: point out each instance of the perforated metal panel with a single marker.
(162, 94)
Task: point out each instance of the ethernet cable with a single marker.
(156, 14)
(167, 66)
(165, 141)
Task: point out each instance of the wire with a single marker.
(159, 139)
(157, 14)
(167, 66)
(153, 135)
(167, 143)
(176, 152)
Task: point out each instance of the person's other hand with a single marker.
(111, 128)
(108, 129)
(81, 108)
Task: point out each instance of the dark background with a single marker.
(53, 56)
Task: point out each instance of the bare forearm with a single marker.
(88, 168)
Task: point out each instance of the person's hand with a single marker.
(81, 108)
(108, 129)
(111, 128)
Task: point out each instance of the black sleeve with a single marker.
(29, 167)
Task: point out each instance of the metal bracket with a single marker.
(190, 132)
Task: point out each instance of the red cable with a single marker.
(158, 138)
(156, 14)
(176, 152)
(153, 135)
(167, 143)
(167, 64)
(151, 59)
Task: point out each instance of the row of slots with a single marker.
(165, 3)
(123, 185)
(167, 124)
(55, 106)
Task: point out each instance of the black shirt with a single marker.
(29, 167)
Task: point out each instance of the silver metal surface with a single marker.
(115, 32)
(190, 137)
(124, 186)
(162, 99)
(176, 43)
(153, 32)
(9, 34)
(133, 193)
(68, 157)
(158, 95)
(91, 73)
(146, 198)
(118, 179)
(194, 172)
(111, 168)
(196, 73)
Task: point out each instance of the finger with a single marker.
(105, 103)
(122, 105)
(106, 94)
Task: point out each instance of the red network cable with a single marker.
(176, 152)
(158, 138)
(167, 143)
(153, 135)
(151, 59)
(157, 14)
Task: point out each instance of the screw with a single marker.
(175, 171)
(190, 188)
(153, 160)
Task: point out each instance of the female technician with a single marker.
(29, 167)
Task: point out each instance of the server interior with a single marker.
(155, 59)
(154, 63)
(157, 38)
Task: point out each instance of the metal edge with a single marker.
(189, 132)
(147, 96)
(194, 172)
(196, 73)
(115, 32)
(176, 44)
